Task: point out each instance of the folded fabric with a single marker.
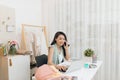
(47, 72)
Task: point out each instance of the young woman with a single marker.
(58, 51)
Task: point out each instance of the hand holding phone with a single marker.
(65, 43)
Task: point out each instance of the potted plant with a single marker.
(12, 47)
(88, 54)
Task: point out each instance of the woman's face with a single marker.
(60, 40)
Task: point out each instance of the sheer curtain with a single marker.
(88, 24)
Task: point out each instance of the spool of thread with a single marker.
(74, 78)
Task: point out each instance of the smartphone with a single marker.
(65, 44)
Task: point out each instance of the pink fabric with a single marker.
(47, 72)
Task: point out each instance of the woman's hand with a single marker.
(62, 68)
(66, 45)
(67, 57)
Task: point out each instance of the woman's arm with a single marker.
(67, 57)
(50, 55)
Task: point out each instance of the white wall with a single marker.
(48, 17)
(27, 11)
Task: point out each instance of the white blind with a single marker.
(90, 24)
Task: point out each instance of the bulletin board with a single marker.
(7, 23)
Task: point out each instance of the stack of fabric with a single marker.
(47, 72)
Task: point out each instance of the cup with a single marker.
(86, 65)
(94, 58)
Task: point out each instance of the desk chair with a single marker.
(40, 60)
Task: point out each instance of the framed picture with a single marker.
(10, 28)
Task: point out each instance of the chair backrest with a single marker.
(40, 60)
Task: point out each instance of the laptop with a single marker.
(72, 65)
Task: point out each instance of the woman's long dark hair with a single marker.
(56, 36)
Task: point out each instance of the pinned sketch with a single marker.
(10, 28)
(34, 39)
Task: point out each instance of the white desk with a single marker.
(84, 73)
